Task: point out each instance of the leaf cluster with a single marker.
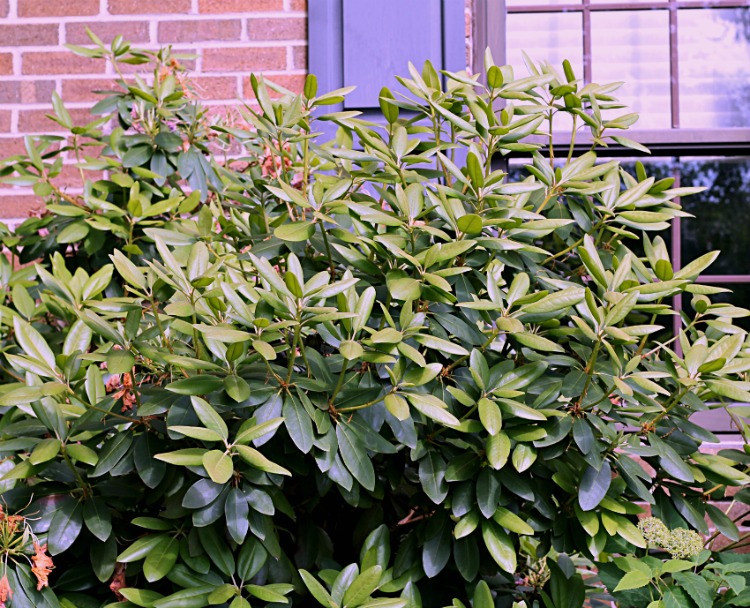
(373, 371)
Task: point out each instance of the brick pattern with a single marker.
(231, 39)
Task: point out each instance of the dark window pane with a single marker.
(714, 52)
(516, 171)
(740, 296)
(633, 46)
(721, 213)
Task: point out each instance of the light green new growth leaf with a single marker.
(317, 590)
(258, 430)
(210, 417)
(218, 465)
(632, 580)
(433, 408)
(189, 457)
(254, 458)
(226, 335)
(33, 344)
(362, 587)
(500, 546)
(558, 300)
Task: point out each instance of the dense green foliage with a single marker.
(250, 368)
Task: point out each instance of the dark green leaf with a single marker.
(674, 597)
(594, 486)
(251, 558)
(436, 552)
(65, 526)
(432, 476)
(161, 559)
(196, 385)
(217, 549)
(237, 511)
(113, 451)
(354, 454)
(97, 517)
(298, 424)
(488, 492)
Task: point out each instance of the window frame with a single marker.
(489, 29)
(489, 32)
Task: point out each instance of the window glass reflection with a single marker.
(714, 59)
(511, 3)
(545, 37)
(633, 46)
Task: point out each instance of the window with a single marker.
(686, 64)
(686, 68)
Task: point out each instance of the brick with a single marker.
(200, 29)
(58, 8)
(294, 82)
(6, 63)
(37, 91)
(82, 89)
(59, 62)
(283, 28)
(4, 8)
(4, 121)
(298, 5)
(139, 7)
(18, 205)
(739, 513)
(299, 57)
(19, 34)
(244, 59)
(214, 87)
(133, 31)
(10, 146)
(36, 121)
(10, 92)
(26, 91)
(239, 6)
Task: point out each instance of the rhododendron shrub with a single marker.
(245, 366)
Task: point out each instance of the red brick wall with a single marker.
(230, 37)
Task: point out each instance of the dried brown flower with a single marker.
(118, 581)
(6, 593)
(42, 567)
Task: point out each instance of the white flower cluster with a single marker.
(680, 543)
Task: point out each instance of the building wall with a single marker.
(231, 39)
